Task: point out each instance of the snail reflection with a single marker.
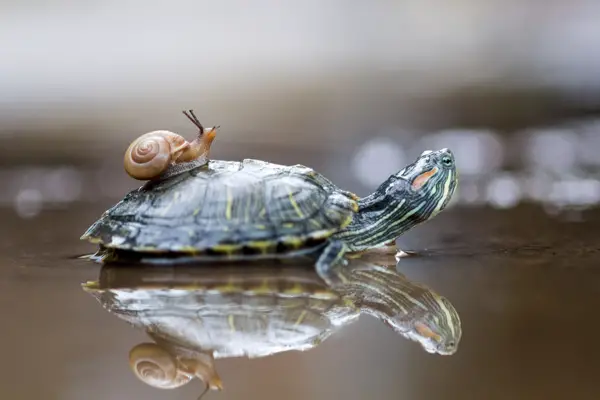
(197, 314)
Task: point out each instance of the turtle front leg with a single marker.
(351, 195)
(329, 262)
(387, 254)
(388, 248)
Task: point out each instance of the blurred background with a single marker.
(355, 90)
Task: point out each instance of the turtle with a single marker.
(201, 209)
(197, 314)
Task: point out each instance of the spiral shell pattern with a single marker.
(151, 154)
(156, 367)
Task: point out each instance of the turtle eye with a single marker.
(447, 161)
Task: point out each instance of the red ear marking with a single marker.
(423, 178)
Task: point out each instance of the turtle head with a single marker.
(430, 181)
(407, 198)
(438, 330)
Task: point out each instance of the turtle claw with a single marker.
(403, 254)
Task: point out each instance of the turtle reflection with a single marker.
(196, 314)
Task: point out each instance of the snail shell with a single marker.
(156, 367)
(151, 154)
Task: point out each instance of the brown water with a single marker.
(527, 289)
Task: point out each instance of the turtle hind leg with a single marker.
(329, 262)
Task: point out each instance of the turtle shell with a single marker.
(227, 207)
(234, 311)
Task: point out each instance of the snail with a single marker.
(157, 367)
(151, 154)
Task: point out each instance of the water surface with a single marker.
(526, 288)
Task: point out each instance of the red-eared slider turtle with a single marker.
(196, 314)
(207, 209)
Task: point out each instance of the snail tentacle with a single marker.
(199, 147)
(206, 389)
(192, 117)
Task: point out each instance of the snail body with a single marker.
(150, 155)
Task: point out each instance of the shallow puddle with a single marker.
(525, 288)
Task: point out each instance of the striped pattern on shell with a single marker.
(235, 311)
(225, 206)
